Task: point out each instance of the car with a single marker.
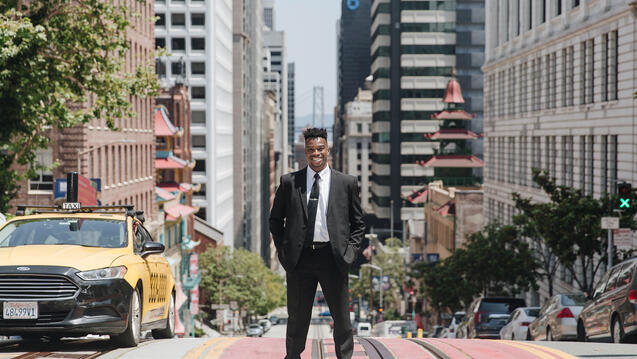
(85, 270)
(518, 323)
(254, 330)
(274, 320)
(451, 330)
(557, 319)
(325, 314)
(436, 330)
(487, 315)
(612, 312)
(364, 329)
(265, 324)
(393, 328)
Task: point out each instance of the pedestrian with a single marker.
(317, 225)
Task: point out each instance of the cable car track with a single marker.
(67, 349)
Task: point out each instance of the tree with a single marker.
(571, 227)
(60, 65)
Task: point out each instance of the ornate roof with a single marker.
(455, 161)
(452, 134)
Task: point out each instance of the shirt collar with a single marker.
(324, 172)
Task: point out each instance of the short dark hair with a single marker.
(314, 132)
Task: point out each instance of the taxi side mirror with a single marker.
(152, 248)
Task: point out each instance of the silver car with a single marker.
(557, 319)
(254, 330)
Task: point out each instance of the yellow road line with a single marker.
(196, 352)
(539, 350)
(218, 349)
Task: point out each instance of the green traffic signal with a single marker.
(624, 190)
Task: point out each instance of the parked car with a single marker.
(557, 319)
(363, 329)
(436, 330)
(612, 312)
(487, 315)
(265, 324)
(393, 328)
(254, 330)
(451, 330)
(518, 325)
(274, 320)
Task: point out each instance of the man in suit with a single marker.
(317, 225)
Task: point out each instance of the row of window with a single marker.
(179, 43)
(525, 10)
(384, 72)
(416, 27)
(409, 93)
(179, 19)
(178, 68)
(510, 160)
(417, 49)
(536, 81)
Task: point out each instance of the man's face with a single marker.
(316, 152)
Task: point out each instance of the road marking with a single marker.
(196, 352)
(215, 351)
(539, 350)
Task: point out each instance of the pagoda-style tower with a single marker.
(453, 161)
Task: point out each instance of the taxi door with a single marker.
(157, 297)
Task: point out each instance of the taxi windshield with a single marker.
(90, 232)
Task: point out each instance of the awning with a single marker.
(178, 210)
(163, 195)
(452, 115)
(454, 161)
(170, 162)
(452, 134)
(163, 125)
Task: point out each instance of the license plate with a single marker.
(20, 310)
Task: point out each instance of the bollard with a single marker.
(408, 335)
(419, 332)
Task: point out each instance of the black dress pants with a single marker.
(317, 266)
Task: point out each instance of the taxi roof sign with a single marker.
(71, 205)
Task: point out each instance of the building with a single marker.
(248, 127)
(356, 143)
(268, 250)
(198, 36)
(291, 106)
(558, 97)
(121, 161)
(411, 65)
(353, 62)
(268, 14)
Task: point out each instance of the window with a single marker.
(522, 167)
(178, 44)
(612, 185)
(178, 20)
(543, 11)
(582, 154)
(558, 9)
(547, 81)
(198, 43)
(200, 166)
(198, 92)
(359, 145)
(511, 164)
(197, 19)
(198, 68)
(161, 20)
(523, 87)
(160, 68)
(564, 163)
(202, 190)
(202, 210)
(43, 180)
(553, 87)
(198, 116)
(160, 42)
(530, 15)
(570, 76)
(564, 70)
(590, 76)
(177, 68)
(575, 3)
(612, 65)
(604, 166)
(571, 160)
(199, 142)
(359, 127)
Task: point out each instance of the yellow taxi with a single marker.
(79, 271)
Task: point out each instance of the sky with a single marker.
(310, 32)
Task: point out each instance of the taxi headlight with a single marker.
(103, 273)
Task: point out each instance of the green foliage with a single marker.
(61, 64)
(569, 225)
(393, 266)
(494, 262)
(240, 276)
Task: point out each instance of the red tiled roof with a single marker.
(452, 134)
(164, 194)
(452, 115)
(456, 161)
(163, 126)
(178, 210)
(170, 162)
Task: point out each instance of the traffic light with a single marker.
(624, 191)
(380, 310)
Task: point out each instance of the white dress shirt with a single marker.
(320, 225)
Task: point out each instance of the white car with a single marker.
(451, 330)
(254, 330)
(265, 324)
(518, 323)
(364, 329)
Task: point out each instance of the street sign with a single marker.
(610, 222)
(220, 306)
(623, 237)
(233, 305)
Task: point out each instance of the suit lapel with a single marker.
(330, 199)
(301, 187)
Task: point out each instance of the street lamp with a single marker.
(380, 281)
(89, 150)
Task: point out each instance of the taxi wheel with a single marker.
(130, 337)
(169, 331)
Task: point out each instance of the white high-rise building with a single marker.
(274, 42)
(559, 83)
(198, 37)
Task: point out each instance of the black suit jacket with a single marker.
(288, 218)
